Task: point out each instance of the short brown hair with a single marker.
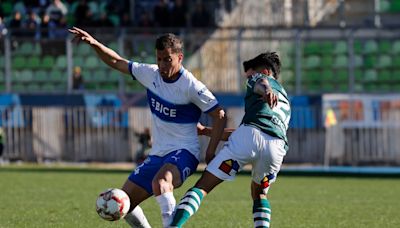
(169, 40)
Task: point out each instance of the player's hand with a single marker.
(81, 35)
(270, 98)
(202, 130)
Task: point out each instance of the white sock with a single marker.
(167, 204)
(137, 219)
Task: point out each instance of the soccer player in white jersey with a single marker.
(176, 99)
(260, 140)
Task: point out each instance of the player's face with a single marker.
(169, 63)
(249, 72)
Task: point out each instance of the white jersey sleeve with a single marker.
(202, 97)
(144, 73)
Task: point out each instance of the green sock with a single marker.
(188, 205)
(261, 213)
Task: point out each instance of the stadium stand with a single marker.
(41, 61)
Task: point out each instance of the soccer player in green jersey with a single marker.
(260, 140)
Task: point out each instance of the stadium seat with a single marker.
(340, 61)
(48, 87)
(396, 47)
(311, 47)
(312, 61)
(358, 47)
(340, 47)
(26, 75)
(327, 76)
(2, 77)
(82, 50)
(341, 75)
(108, 86)
(99, 76)
(7, 7)
(343, 87)
(91, 62)
(287, 48)
(57, 75)
(396, 62)
(370, 75)
(384, 61)
(33, 87)
(113, 75)
(313, 76)
(40, 75)
(394, 6)
(358, 61)
(33, 62)
(384, 76)
(18, 62)
(25, 48)
(326, 47)
(370, 61)
(149, 59)
(287, 76)
(370, 87)
(385, 46)
(370, 47)
(18, 87)
(384, 6)
(48, 62)
(327, 87)
(37, 49)
(61, 62)
(78, 61)
(326, 61)
(113, 46)
(114, 19)
(358, 75)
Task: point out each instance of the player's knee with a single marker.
(161, 185)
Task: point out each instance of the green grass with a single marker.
(66, 198)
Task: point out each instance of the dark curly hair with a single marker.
(269, 60)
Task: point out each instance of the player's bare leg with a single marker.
(261, 206)
(164, 182)
(136, 218)
(191, 201)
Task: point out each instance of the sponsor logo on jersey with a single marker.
(170, 112)
(229, 166)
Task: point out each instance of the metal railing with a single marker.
(108, 135)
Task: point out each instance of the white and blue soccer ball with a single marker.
(112, 204)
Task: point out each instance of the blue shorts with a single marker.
(143, 175)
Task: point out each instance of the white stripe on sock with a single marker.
(187, 208)
(191, 201)
(261, 223)
(264, 208)
(262, 214)
(194, 195)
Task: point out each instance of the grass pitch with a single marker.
(41, 197)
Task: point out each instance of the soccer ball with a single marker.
(112, 204)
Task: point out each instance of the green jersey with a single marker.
(258, 113)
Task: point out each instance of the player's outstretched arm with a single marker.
(106, 54)
(203, 130)
(218, 118)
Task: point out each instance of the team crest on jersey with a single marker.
(229, 166)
